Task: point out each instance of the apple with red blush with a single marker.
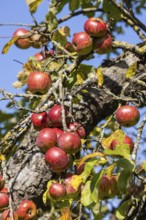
(40, 120)
(95, 27)
(103, 44)
(82, 43)
(55, 115)
(57, 159)
(4, 198)
(127, 115)
(6, 215)
(38, 82)
(71, 191)
(127, 140)
(40, 56)
(57, 191)
(22, 42)
(69, 142)
(27, 210)
(58, 132)
(78, 128)
(46, 139)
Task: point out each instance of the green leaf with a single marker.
(59, 38)
(131, 71)
(88, 168)
(74, 4)
(111, 10)
(120, 212)
(126, 164)
(122, 181)
(86, 199)
(57, 6)
(52, 21)
(120, 150)
(33, 5)
(9, 44)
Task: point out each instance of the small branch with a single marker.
(19, 24)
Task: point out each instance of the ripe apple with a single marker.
(57, 159)
(58, 132)
(38, 40)
(55, 116)
(69, 47)
(104, 187)
(40, 120)
(127, 115)
(2, 182)
(103, 44)
(127, 140)
(57, 191)
(78, 128)
(95, 27)
(27, 210)
(79, 168)
(113, 186)
(82, 43)
(22, 43)
(71, 191)
(43, 55)
(46, 139)
(38, 82)
(6, 215)
(70, 142)
(4, 198)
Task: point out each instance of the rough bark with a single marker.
(27, 170)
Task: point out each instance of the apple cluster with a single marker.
(28, 39)
(127, 116)
(26, 210)
(94, 38)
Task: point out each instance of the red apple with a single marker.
(22, 43)
(57, 191)
(79, 168)
(104, 187)
(6, 215)
(82, 43)
(55, 116)
(103, 44)
(127, 116)
(27, 210)
(70, 142)
(43, 55)
(95, 27)
(71, 191)
(78, 128)
(57, 159)
(58, 132)
(4, 198)
(69, 47)
(127, 140)
(40, 120)
(46, 139)
(38, 82)
(2, 182)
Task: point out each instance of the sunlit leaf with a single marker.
(119, 150)
(131, 71)
(100, 78)
(9, 44)
(33, 5)
(65, 214)
(52, 21)
(76, 181)
(59, 38)
(86, 199)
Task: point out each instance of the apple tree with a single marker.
(74, 149)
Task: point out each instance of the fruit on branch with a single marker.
(127, 115)
(69, 47)
(2, 182)
(22, 43)
(103, 44)
(4, 198)
(71, 191)
(46, 139)
(40, 120)
(78, 128)
(95, 27)
(38, 82)
(127, 140)
(82, 43)
(79, 168)
(55, 115)
(57, 191)
(38, 40)
(6, 215)
(58, 132)
(27, 210)
(43, 55)
(70, 142)
(57, 159)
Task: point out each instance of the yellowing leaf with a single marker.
(76, 181)
(33, 5)
(65, 214)
(117, 135)
(80, 79)
(17, 84)
(131, 70)
(65, 31)
(2, 157)
(46, 195)
(100, 78)
(9, 44)
(59, 38)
